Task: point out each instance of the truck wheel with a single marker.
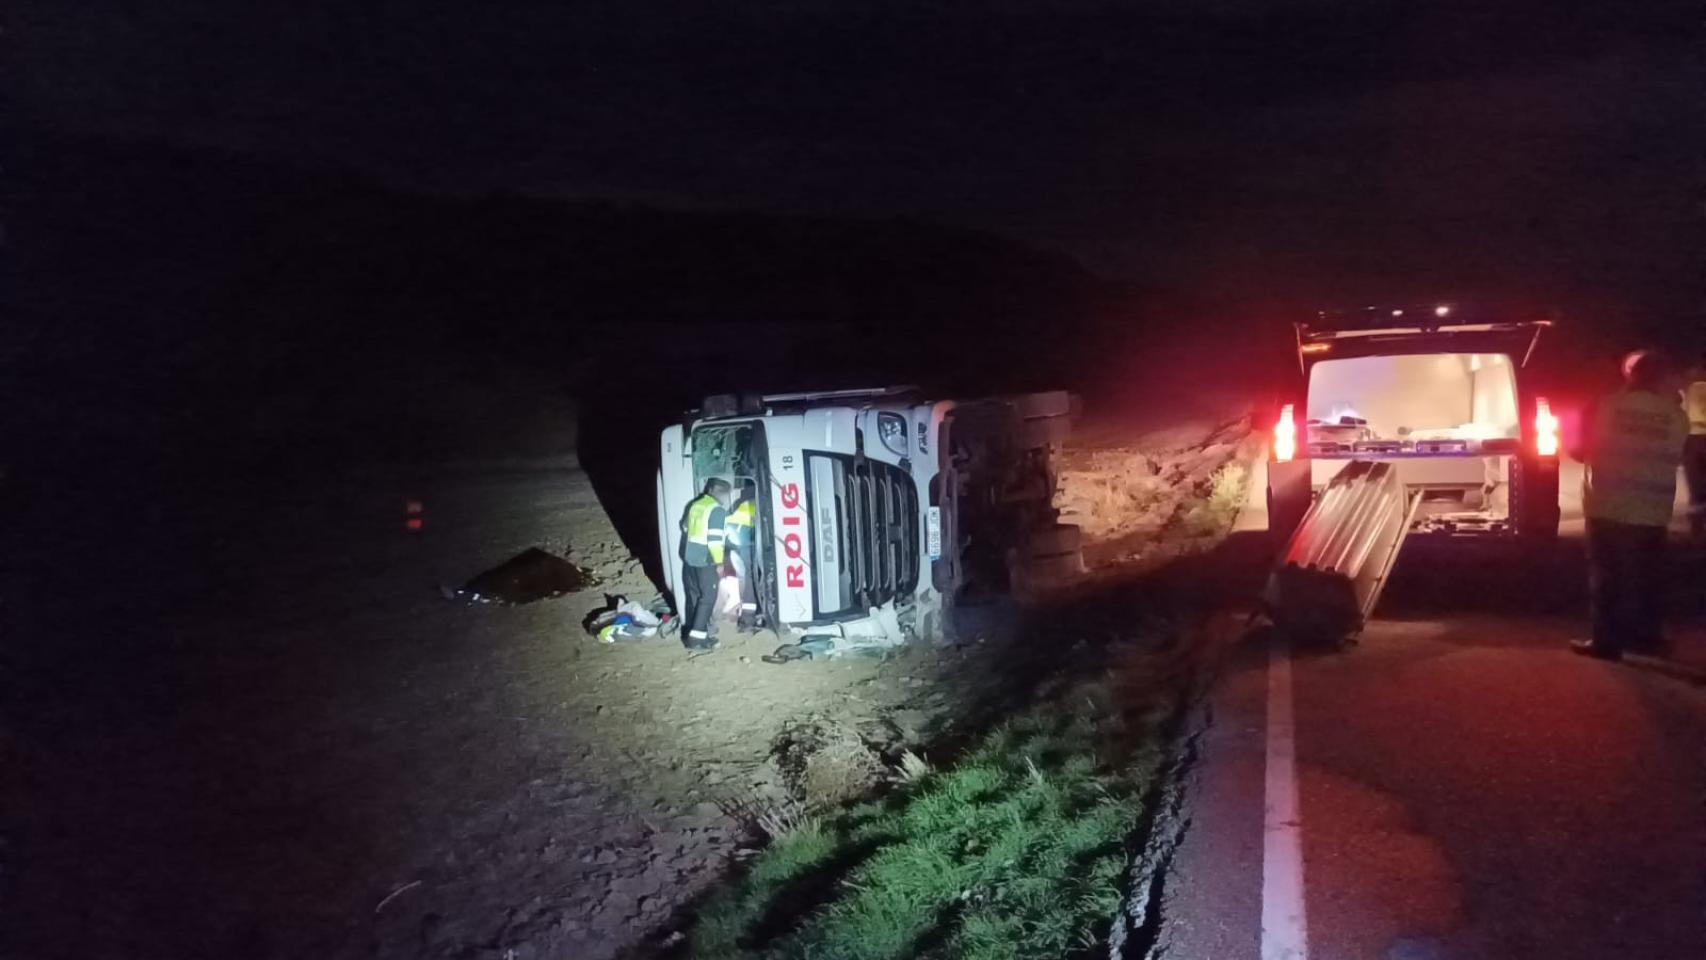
(1055, 403)
(1059, 538)
(1044, 432)
(1050, 569)
(720, 405)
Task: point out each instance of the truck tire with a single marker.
(720, 405)
(1044, 432)
(1059, 538)
(1048, 569)
(1055, 403)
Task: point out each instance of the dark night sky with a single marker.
(1260, 147)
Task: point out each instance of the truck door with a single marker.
(735, 452)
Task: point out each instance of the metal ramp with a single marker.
(1329, 576)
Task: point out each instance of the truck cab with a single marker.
(876, 508)
(1439, 393)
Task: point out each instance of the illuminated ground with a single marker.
(335, 762)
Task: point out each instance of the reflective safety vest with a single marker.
(740, 525)
(704, 530)
(1636, 445)
(1694, 401)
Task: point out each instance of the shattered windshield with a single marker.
(730, 452)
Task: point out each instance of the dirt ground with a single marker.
(304, 750)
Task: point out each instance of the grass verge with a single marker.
(1017, 850)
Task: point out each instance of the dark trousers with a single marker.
(1694, 471)
(1626, 578)
(701, 603)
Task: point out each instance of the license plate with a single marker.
(933, 532)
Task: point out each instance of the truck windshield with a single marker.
(864, 526)
(730, 451)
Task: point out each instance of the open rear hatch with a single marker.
(1433, 391)
(1439, 385)
(1387, 331)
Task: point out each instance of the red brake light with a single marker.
(1545, 428)
(1285, 435)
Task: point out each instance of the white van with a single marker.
(1441, 396)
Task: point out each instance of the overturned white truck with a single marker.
(1408, 421)
(879, 510)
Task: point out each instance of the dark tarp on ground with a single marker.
(530, 575)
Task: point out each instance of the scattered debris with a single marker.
(624, 619)
(809, 648)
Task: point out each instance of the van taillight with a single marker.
(1285, 435)
(1545, 429)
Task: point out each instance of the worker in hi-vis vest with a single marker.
(1694, 455)
(703, 530)
(1632, 445)
(741, 537)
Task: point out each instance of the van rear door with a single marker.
(1328, 340)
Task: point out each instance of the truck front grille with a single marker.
(882, 560)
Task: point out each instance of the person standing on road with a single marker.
(742, 538)
(1694, 455)
(1633, 443)
(703, 531)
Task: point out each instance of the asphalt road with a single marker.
(1466, 787)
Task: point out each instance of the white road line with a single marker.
(1285, 934)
